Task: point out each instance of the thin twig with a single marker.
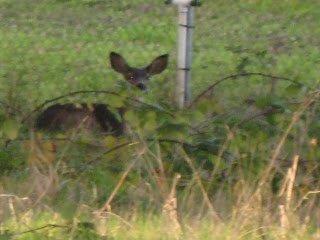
(14, 196)
(170, 141)
(204, 192)
(99, 157)
(264, 112)
(12, 107)
(213, 85)
(291, 177)
(296, 116)
(39, 228)
(117, 216)
(305, 197)
(107, 205)
(66, 139)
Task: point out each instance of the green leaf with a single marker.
(173, 130)
(293, 89)
(156, 107)
(86, 225)
(263, 101)
(271, 119)
(111, 141)
(115, 101)
(149, 122)
(244, 62)
(132, 118)
(198, 116)
(279, 106)
(10, 128)
(209, 105)
(6, 235)
(184, 119)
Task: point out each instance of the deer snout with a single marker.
(141, 86)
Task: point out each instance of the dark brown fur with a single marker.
(95, 117)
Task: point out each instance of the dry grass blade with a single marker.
(291, 178)
(251, 231)
(123, 177)
(284, 220)
(296, 116)
(14, 196)
(99, 157)
(305, 197)
(213, 212)
(169, 211)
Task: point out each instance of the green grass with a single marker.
(53, 47)
(66, 43)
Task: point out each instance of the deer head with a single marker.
(138, 76)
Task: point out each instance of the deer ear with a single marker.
(118, 63)
(158, 65)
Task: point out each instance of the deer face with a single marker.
(138, 76)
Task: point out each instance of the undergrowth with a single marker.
(240, 162)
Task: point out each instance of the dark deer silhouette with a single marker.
(59, 117)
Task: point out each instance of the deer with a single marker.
(97, 116)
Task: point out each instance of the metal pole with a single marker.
(185, 31)
(189, 55)
(182, 52)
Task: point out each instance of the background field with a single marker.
(241, 163)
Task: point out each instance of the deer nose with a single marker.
(141, 86)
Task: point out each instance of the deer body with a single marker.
(95, 117)
(98, 117)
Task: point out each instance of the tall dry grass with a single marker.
(175, 206)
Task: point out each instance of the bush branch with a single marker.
(213, 85)
(11, 107)
(40, 228)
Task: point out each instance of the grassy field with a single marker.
(241, 163)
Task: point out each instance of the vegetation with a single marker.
(240, 162)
